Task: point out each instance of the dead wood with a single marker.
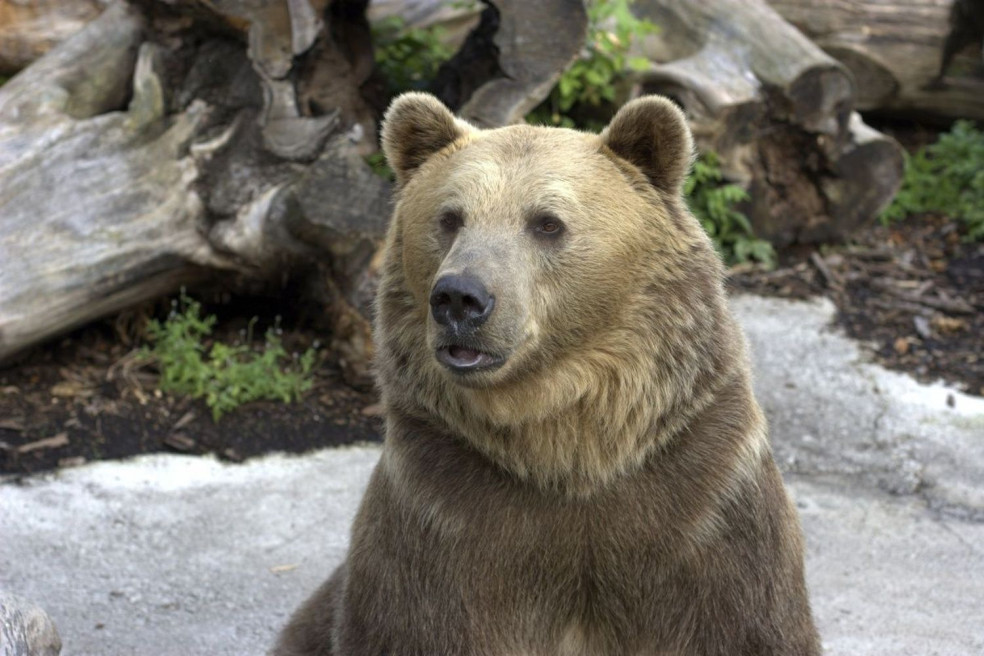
(778, 111)
(894, 50)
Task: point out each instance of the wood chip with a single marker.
(902, 345)
(280, 569)
(71, 389)
(12, 424)
(186, 419)
(232, 455)
(374, 410)
(66, 463)
(948, 324)
(59, 440)
(180, 442)
(922, 326)
(831, 279)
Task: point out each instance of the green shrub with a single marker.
(590, 82)
(713, 203)
(408, 58)
(377, 162)
(225, 375)
(946, 177)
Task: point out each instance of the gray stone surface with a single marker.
(832, 411)
(178, 555)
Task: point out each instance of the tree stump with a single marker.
(779, 113)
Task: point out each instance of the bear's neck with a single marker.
(598, 413)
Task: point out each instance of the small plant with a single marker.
(946, 177)
(377, 162)
(590, 82)
(408, 57)
(713, 203)
(225, 375)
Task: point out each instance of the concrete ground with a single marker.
(176, 555)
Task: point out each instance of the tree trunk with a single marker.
(779, 113)
(894, 50)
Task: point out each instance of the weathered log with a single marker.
(535, 41)
(779, 113)
(30, 28)
(110, 200)
(169, 140)
(65, 160)
(894, 49)
(515, 53)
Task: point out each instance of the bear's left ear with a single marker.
(416, 126)
(652, 133)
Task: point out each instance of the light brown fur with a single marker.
(609, 489)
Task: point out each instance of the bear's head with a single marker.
(546, 295)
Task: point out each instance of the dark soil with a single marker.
(913, 291)
(87, 398)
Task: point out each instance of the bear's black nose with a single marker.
(460, 302)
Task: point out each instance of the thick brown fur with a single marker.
(609, 489)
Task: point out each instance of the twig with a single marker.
(953, 306)
(830, 278)
(59, 440)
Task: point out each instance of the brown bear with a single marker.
(574, 460)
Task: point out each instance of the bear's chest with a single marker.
(551, 574)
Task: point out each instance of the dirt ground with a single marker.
(86, 398)
(913, 291)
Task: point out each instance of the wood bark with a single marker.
(169, 140)
(894, 48)
(777, 110)
(30, 28)
(129, 168)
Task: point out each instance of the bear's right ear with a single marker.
(652, 133)
(416, 126)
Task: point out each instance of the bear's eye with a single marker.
(450, 221)
(548, 225)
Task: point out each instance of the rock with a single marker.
(25, 629)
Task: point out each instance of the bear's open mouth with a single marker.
(462, 359)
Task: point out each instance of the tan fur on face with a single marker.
(609, 489)
(604, 369)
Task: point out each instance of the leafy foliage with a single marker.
(713, 203)
(408, 58)
(225, 375)
(592, 79)
(946, 177)
(377, 162)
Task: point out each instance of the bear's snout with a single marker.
(461, 303)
